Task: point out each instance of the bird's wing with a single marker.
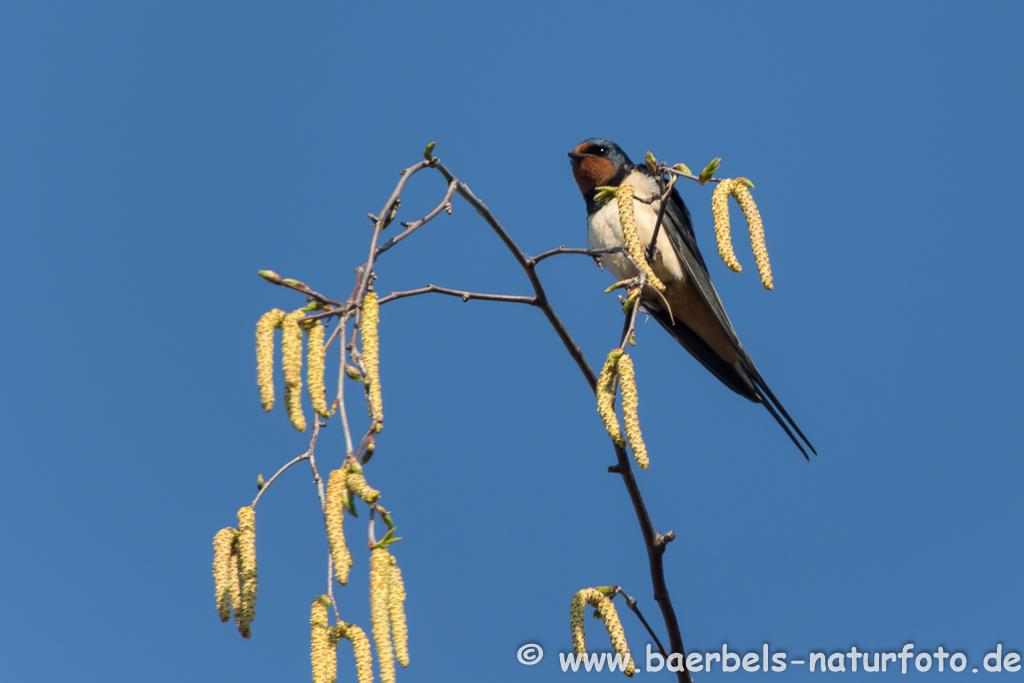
(742, 376)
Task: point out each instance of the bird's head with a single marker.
(597, 162)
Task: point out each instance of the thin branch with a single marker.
(465, 296)
(593, 253)
(316, 473)
(304, 288)
(364, 278)
(410, 228)
(690, 176)
(632, 604)
(542, 298)
(294, 461)
(661, 215)
(629, 324)
(655, 544)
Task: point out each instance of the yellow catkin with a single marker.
(334, 513)
(606, 610)
(577, 611)
(315, 367)
(720, 210)
(368, 321)
(396, 611)
(291, 361)
(361, 650)
(246, 567)
(236, 593)
(624, 195)
(268, 322)
(225, 571)
(357, 485)
(743, 197)
(380, 572)
(627, 380)
(606, 398)
(323, 644)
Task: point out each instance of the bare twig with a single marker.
(312, 464)
(690, 176)
(632, 604)
(293, 461)
(465, 296)
(364, 279)
(410, 228)
(531, 272)
(304, 288)
(593, 253)
(666, 191)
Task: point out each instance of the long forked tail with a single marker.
(742, 376)
(774, 407)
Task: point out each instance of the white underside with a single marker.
(605, 232)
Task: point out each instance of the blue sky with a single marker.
(154, 157)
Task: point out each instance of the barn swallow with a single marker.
(696, 318)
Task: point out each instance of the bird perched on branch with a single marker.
(696, 317)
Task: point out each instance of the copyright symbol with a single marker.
(530, 654)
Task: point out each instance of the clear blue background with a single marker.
(153, 157)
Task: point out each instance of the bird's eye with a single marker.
(601, 151)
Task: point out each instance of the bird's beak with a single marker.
(578, 155)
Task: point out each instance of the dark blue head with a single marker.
(597, 162)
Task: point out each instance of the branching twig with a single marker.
(690, 176)
(298, 286)
(665, 193)
(654, 542)
(465, 296)
(410, 228)
(631, 603)
(541, 301)
(364, 279)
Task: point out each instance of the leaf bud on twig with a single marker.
(709, 170)
(651, 163)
